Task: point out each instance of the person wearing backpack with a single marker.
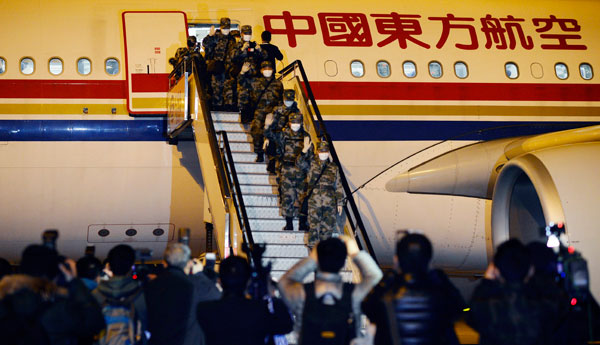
(122, 301)
(328, 310)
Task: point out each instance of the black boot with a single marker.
(271, 166)
(288, 224)
(303, 224)
(260, 157)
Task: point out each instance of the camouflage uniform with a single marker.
(281, 116)
(292, 177)
(271, 97)
(219, 48)
(253, 55)
(326, 195)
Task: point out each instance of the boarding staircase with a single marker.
(243, 197)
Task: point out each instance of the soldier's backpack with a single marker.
(122, 326)
(325, 323)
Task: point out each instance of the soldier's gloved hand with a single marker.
(340, 209)
(212, 31)
(245, 68)
(245, 46)
(265, 144)
(269, 120)
(307, 144)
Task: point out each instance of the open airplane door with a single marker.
(151, 38)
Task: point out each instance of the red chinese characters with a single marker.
(448, 23)
(496, 33)
(399, 27)
(345, 30)
(290, 30)
(502, 33)
(565, 25)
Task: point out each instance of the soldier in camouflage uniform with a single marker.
(291, 141)
(266, 95)
(281, 115)
(248, 52)
(218, 47)
(325, 192)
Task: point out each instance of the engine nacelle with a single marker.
(557, 184)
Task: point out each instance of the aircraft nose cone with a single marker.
(398, 184)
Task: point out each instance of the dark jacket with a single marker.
(36, 311)
(204, 290)
(423, 309)
(272, 53)
(169, 299)
(523, 318)
(123, 287)
(237, 320)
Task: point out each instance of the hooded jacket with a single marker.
(122, 287)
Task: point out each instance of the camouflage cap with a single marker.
(323, 146)
(234, 33)
(225, 23)
(266, 64)
(289, 94)
(296, 118)
(246, 29)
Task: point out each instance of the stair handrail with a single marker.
(323, 134)
(238, 197)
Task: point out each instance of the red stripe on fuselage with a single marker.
(117, 89)
(158, 82)
(454, 91)
(63, 89)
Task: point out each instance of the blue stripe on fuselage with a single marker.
(155, 130)
(83, 130)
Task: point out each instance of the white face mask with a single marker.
(247, 38)
(225, 31)
(288, 103)
(323, 155)
(267, 73)
(295, 127)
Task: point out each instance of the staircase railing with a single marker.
(317, 126)
(221, 153)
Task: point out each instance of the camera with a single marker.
(49, 238)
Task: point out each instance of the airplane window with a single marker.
(585, 69)
(55, 65)
(331, 68)
(357, 68)
(112, 66)
(512, 71)
(84, 66)
(2, 65)
(27, 66)
(461, 70)
(435, 69)
(562, 72)
(410, 69)
(537, 71)
(383, 69)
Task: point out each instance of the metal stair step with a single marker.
(260, 200)
(278, 237)
(251, 168)
(242, 146)
(286, 250)
(259, 189)
(270, 223)
(284, 264)
(225, 116)
(243, 156)
(238, 136)
(258, 179)
(229, 127)
(346, 276)
(262, 212)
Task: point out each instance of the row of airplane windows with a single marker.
(56, 66)
(461, 70)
